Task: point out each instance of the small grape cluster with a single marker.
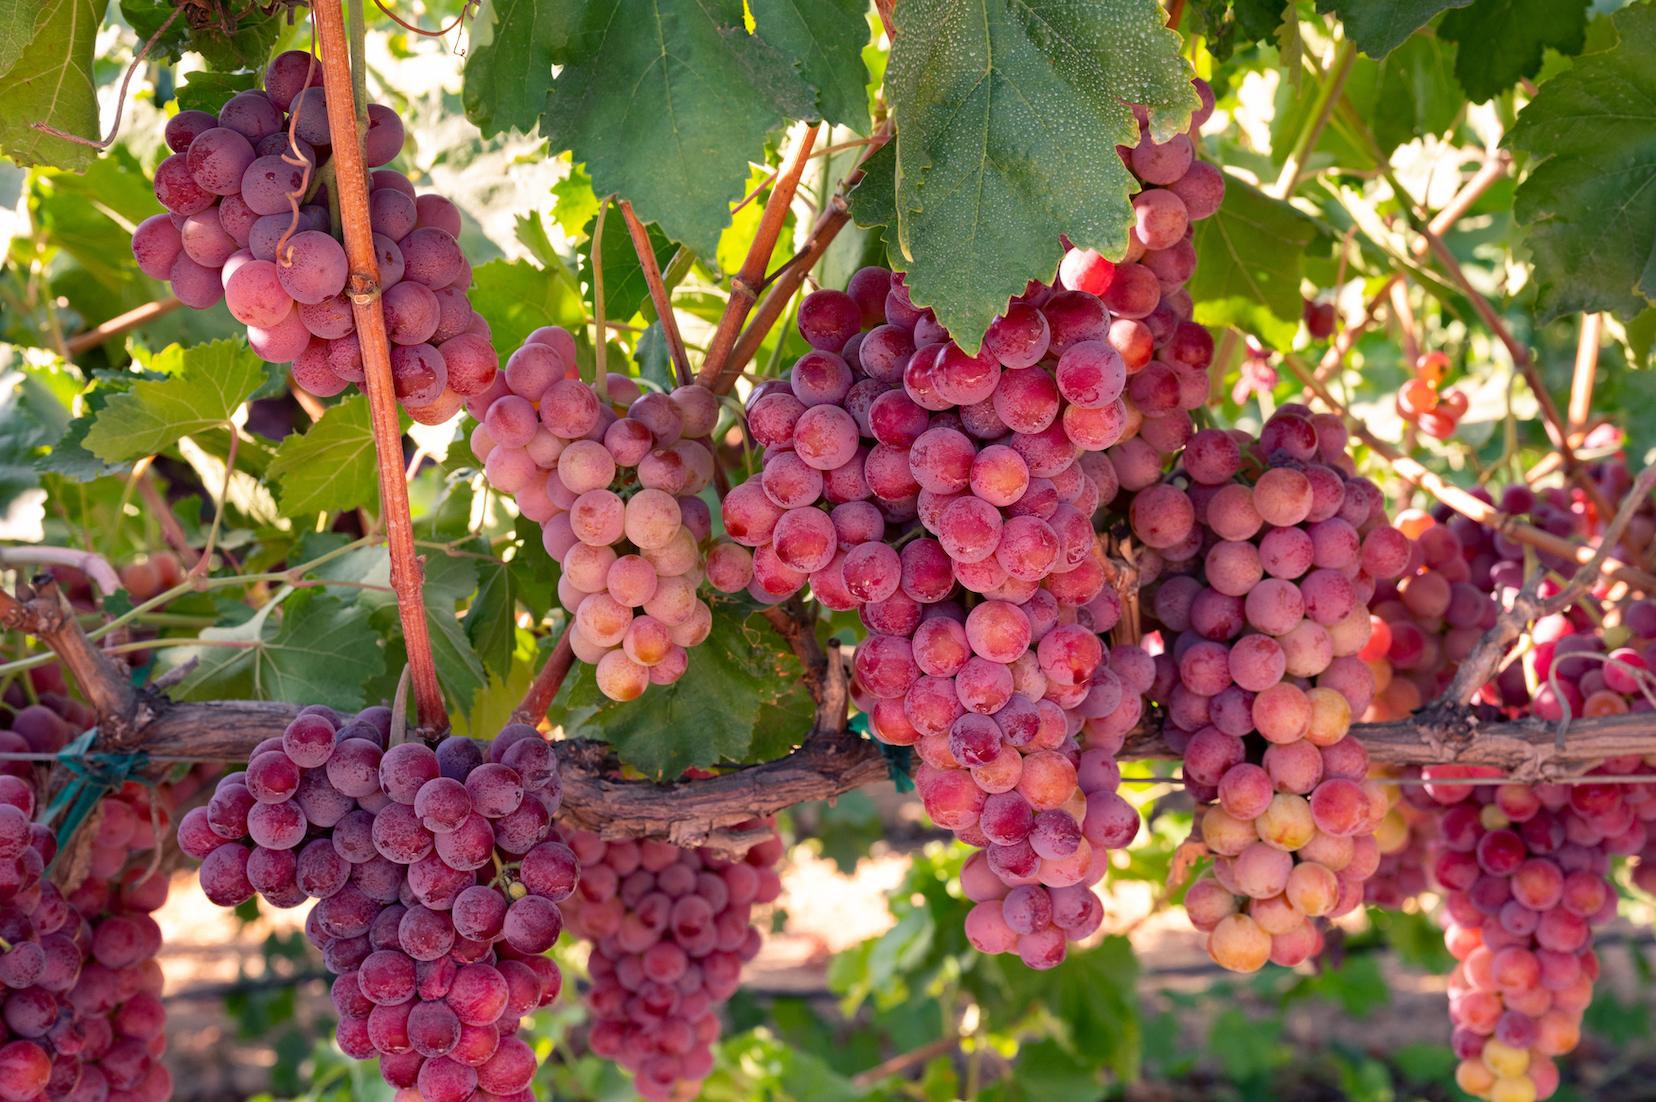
(1405, 839)
(437, 875)
(670, 929)
(1525, 869)
(1420, 402)
(1262, 554)
(247, 222)
(612, 481)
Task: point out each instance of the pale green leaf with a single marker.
(332, 464)
(206, 384)
(51, 81)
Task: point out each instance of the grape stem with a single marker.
(364, 288)
(205, 562)
(122, 324)
(658, 293)
(600, 347)
(532, 709)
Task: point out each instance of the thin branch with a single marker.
(658, 292)
(93, 564)
(1293, 170)
(122, 324)
(1581, 384)
(533, 707)
(600, 348)
(903, 1061)
(744, 285)
(364, 287)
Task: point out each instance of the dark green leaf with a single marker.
(1503, 40)
(459, 670)
(825, 38)
(332, 465)
(534, 572)
(1379, 26)
(624, 285)
(51, 81)
(1409, 94)
(491, 620)
(655, 363)
(1249, 276)
(707, 715)
(783, 725)
(1008, 114)
(509, 64)
(1590, 201)
(665, 101)
(516, 298)
(209, 92)
(117, 181)
(321, 653)
(205, 385)
(874, 199)
(232, 41)
(20, 434)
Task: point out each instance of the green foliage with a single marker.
(624, 286)
(1007, 119)
(1231, 26)
(233, 41)
(516, 298)
(208, 91)
(669, 118)
(1588, 200)
(1379, 26)
(50, 81)
(510, 64)
(1410, 93)
(825, 38)
(204, 386)
(1249, 276)
(707, 715)
(330, 466)
(1506, 39)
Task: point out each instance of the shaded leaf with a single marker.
(1008, 113)
(1504, 40)
(491, 619)
(1590, 200)
(509, 64)
(331, 465)
(1379, 26)
(209, 92)
(624, 286)
(1249, 276)
(204, 386)
(825, 38)
(248, 47)
(1409, 94)
(69, 456)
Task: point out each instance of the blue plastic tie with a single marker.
(96, 774)
(898, 759)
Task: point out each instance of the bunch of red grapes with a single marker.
(1420, 402)
(248, 222)
(670, 929)
(612, 481)
(437, 877)
(1525, 873)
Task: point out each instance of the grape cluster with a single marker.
(437, 877)
(247, 222)
(1404, 837)
(670, 929)
(1419, 401)
(1525, 873)
(613, 485)
(1263, 554)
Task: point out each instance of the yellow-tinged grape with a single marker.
(1504, 1060)
(1393, 835)
(652, 518)
(1312, 888)
(620, 678)
(1238, 944)
(679, 556)
(1330, 716)
(1512, 1088)
(1473, 1078)
(1286, 823)
(603, 619)
(1328, 850)
(1276, 914)
(1382, 669)
(647, 641)
(1225, 834)
(694, 629)
(1351, 634)
(1493, 818)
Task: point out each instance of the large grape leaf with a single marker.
(1590, 200)
(1008, 113)
(665, 101)
(1503, 40)
(509, 64)
(707, 715)
(826, 39)
(51, 82)
(331, 465)
(1379, 26)
(1249, 272)
(204, 386)
(321, 652)
(19, 21)
(1410, 93)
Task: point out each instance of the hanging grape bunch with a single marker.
(1421, 402)
(670, 929)
(612, 479)
(437, 876)
(250, 222)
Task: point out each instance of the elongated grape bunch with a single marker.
(1525, 874)
(1263, 554)
(437, 875)
(670, 929)
(249, 221)
(613, 485)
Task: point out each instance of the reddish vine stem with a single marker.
(658, 293)
(744, 285)
(1581, 384)
(351, 179)
(547, 683)
(122, 324)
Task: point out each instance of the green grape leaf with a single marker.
(534, 572)
(1589, 200)
(664, 102)
(874, 199)
(1007, 117)
(51, 81)
(205, 385)
(1092, 994)
(509, 64)
(573, 203)
(247, 46)
(516, 298)
(624, 285)
(459, 670)
(707, 715)
(1504, 40)
(320, 652)
(1249, 275)
(827, 38)
(491, 619)
(20, 434)
(117, 181)
(69, 456)
(209, 92)
(19, 22)
(332, 464)
(1379, 26)
(1410, 93)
